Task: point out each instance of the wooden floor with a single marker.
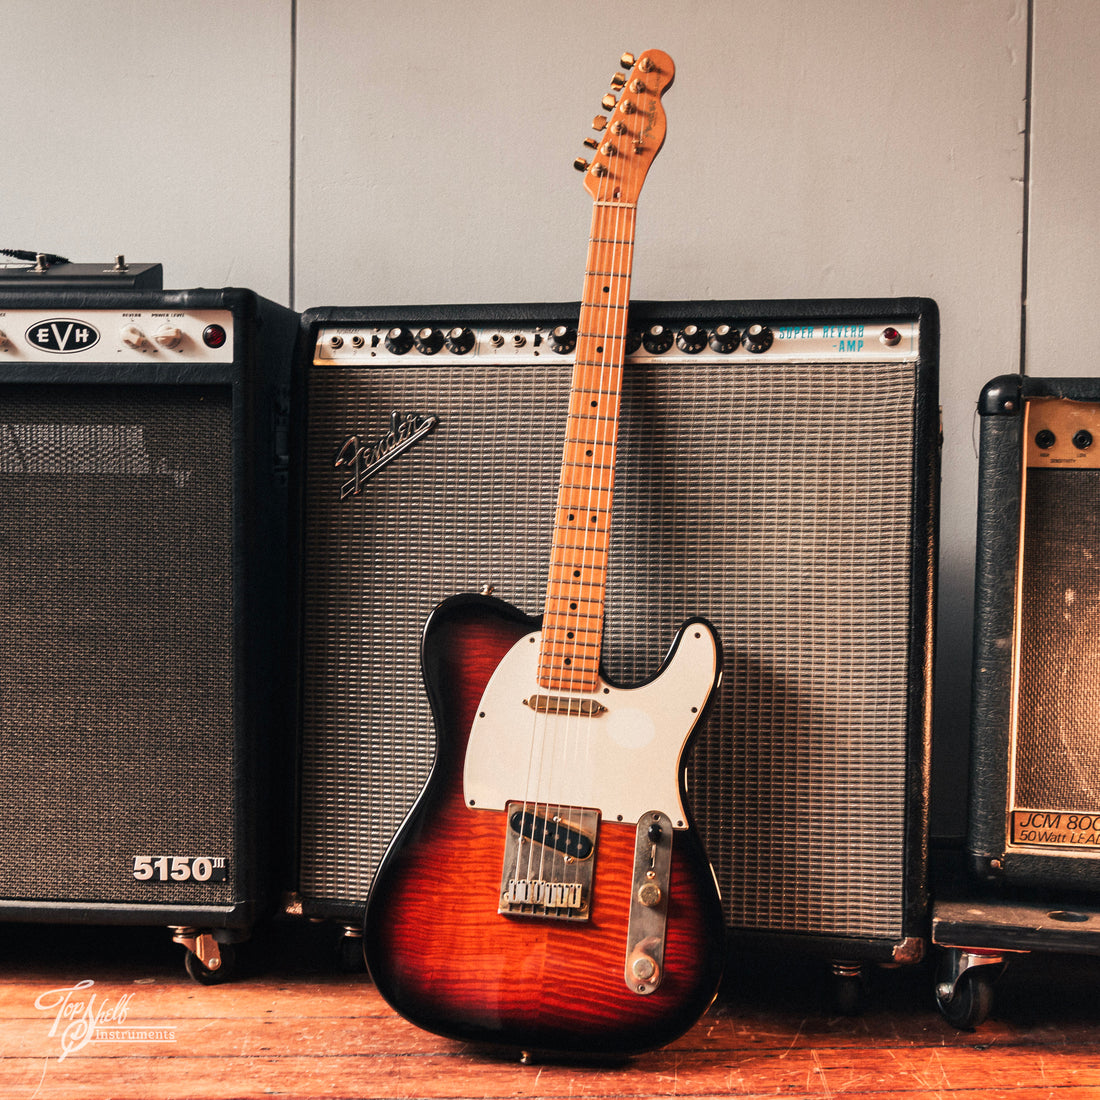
(294, 1025)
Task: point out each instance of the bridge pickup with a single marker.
(549, 857)
(563, 704)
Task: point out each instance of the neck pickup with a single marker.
(560, 704)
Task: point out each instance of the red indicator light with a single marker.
(213, 336)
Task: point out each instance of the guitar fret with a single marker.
(576, 588)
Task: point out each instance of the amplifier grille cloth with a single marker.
(1056, 763)
(773, 500)
(115, 639)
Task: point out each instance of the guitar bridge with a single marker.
(549, 858)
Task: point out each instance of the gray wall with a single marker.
(346, 152)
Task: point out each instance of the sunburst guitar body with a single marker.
(548, 891)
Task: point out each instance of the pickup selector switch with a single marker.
(657, 339)
(757, 338)
(563, 339)
(428, 341)
(398, 341)
(724, 339)
(459, 340)
(692, 339)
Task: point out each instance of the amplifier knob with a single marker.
(633, 341)
(168, 336)
(724, 339)
(398, 341)
(757, 338)
(5, 343)
(657, 339)
(459, 340)
(133, 337)
(563, 339)
(692, 339)
(429, 341)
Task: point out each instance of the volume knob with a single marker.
(657, 339)
(168, 336)
(428, 341)
(757, 338)
(724, 339)
(562, 339)
(459, 340)
(692, 339)
(133, 337)
(398, 341)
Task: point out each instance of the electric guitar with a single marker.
(547, 890)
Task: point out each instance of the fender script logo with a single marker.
(365, 462)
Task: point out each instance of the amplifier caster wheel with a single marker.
(850, 987)
(964, 986)
(351, 950)
(207, 961)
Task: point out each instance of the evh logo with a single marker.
(62, 335)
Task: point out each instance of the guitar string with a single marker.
(611, 324)
(605, 321)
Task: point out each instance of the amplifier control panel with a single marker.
(117, 335)
(351, 344)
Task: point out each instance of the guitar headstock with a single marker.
(631, 134)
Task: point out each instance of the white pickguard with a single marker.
(624, 761)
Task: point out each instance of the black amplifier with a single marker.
(143, 482)
(777, 474)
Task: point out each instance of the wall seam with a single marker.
(1025, 220)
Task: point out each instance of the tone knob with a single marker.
(757, 338)
(657, 339)
(692, 339)
(398, 341)
(133, 337)
(649, 894)
(724, 339)
(562, 339)
(459, 340)
(168, 336)
(428, 341)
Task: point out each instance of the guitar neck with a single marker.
(574, 611)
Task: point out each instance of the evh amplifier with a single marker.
(143, 484)
(1035, 747)
(777, 474)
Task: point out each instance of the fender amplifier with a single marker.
(143, 483)
(777, 474)
(1035, 733)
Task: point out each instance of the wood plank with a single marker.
(294, 1026)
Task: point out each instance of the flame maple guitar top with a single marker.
(442, 955)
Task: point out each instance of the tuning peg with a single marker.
(617, 82)
(591, 143)
(580, 164)
(608, 102)
(627, 61)
(599, 122)
(646, 65)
